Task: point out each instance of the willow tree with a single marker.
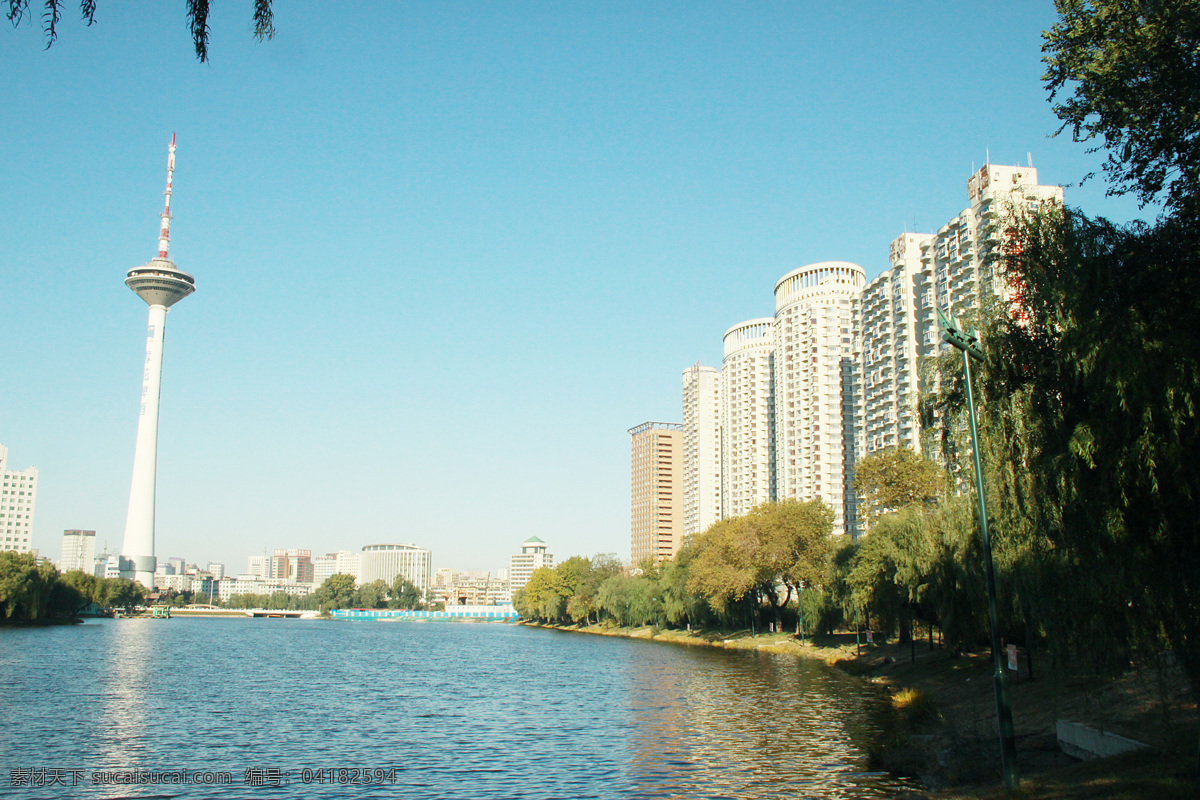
(1104, 360)
(197, 20)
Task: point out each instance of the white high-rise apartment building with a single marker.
(946, 270)
(816, 370)
(836, 374)
(18, 498)
(895, 309)
(748, 417)
(78, 551)
(955, 258)
(701, 448)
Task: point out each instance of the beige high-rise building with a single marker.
(292, 565)
(701, 448)
(656, 497)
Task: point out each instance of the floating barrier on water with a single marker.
(454, 613)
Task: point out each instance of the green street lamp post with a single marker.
(968, 343)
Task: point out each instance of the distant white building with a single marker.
(701, 448)
(252, 584)
(386, 562)
(18, 498)
(835, 374)
(108, 566)
(469, 588)
(521, 565)
(343, 562)
(178, 583)
(260, 566)
(949, 270)
(899, 327)
(78, 551)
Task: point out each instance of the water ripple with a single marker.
(450, 711)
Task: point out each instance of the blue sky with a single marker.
(448, 253)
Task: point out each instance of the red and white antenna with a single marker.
(164, 233)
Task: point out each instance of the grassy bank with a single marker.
(944, 728)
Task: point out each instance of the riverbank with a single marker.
(945, 717)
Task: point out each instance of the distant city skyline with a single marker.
(449, 258)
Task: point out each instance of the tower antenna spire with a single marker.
(164, 232)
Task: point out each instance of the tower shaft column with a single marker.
(137, 552)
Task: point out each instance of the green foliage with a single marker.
(33, 593)
(723, 570)
(404, 594)
(372, 595)
(1101, 377)
(545, 595)
(776, 545)
(1132, 70)
(250, 600)
(25, 588)
(631, 600)
(336, 592)
(568, 592)
(895, 479)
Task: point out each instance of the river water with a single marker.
(273, 708)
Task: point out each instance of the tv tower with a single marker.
(161, 284)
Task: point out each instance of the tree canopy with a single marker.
(896, 478)
(1127, 72)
